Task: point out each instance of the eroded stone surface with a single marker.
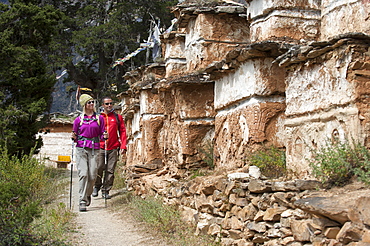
(236, 74)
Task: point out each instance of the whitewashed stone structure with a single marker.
(236, 74)
(290, 73)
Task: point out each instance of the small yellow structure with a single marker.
(63, 161)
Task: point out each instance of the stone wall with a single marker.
(170, 123)
(237, 75)
(244, 209)
(343, 16)
(324, 102)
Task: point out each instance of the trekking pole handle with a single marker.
(73, 135)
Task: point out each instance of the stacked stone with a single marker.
(245, 209)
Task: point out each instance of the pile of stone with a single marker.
(243, 208)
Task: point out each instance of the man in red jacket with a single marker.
(110, 149)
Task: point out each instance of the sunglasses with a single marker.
(108, 103)
(90, 102)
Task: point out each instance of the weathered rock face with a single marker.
(348, 16)
(173, 45)
(252, 72)
(239, 128)
(321, 104)
(209, 37)
(237, 74)
(170, 125)
(284, 20)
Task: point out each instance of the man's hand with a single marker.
(122, 151)
(105, 135)
(73, 135)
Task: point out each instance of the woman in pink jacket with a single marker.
(88, 130)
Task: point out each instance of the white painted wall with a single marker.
(261, 7)
(343, 16)
(320, 86)
(249, 79)
(56, 143)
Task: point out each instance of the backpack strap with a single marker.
(83, 119)
(118, 124)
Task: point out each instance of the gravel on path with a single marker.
(99, 226)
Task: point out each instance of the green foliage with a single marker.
(119, 180)
(270, 160)
(20, 180)
(197, 173)
(207, 154)
(25, 83)
(102, 31)
(336, 163)
(153, 211)
(53, 224)
(167, 220)
(24, 187)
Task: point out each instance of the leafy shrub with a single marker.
(24, 187)
(206, 152)
(336, 163)
(119, 179)
(270, 160)
(20, 179)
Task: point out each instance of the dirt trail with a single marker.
(100, 226)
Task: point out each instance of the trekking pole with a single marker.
(106, 171)
(70, 186)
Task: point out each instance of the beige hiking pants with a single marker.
(86, 160)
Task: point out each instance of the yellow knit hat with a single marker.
(84, 98)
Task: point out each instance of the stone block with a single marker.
(332, 232)
(211, 37)
(259, 77)
(350, 232)
(360, 212)
(302, 230)
(273, 214)
(258, 186)
(258, 227)
(292, 24)
(342, 12)
(262, 7)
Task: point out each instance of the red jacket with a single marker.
(117, 134)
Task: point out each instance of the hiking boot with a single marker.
(88, 201)
(95, 192)
(106, 195)
(82, 207)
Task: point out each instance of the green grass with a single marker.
(53, 224)
(119, 177)
(163, 219)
